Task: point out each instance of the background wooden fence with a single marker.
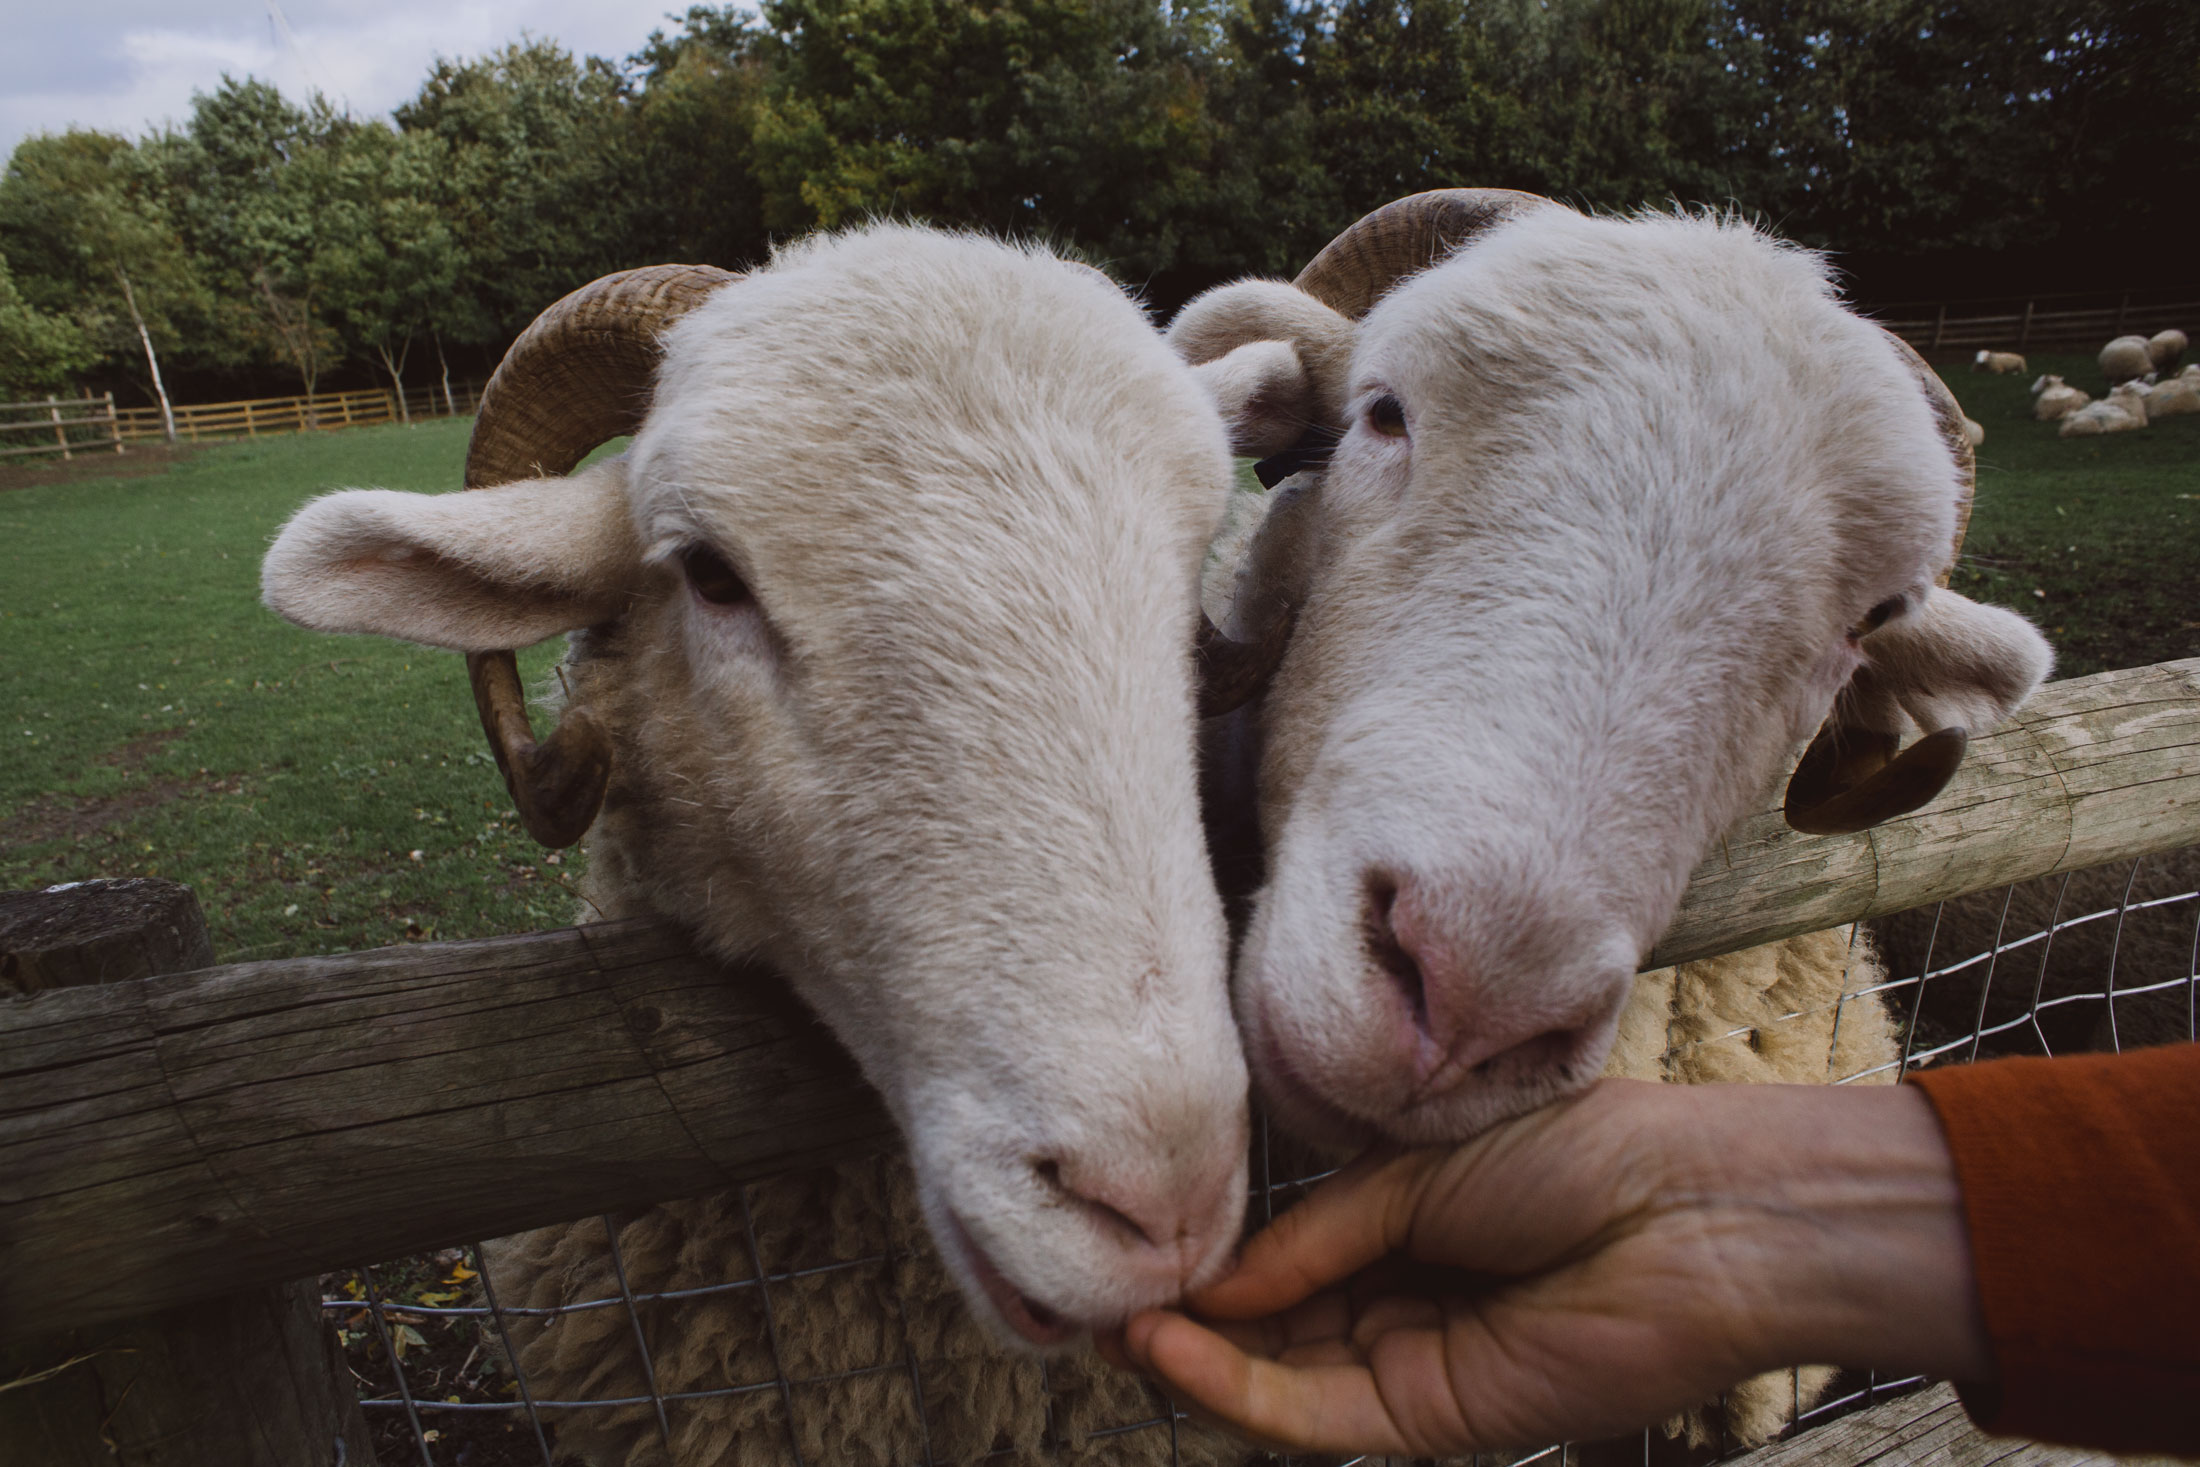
(2038, 324)
(254, 416)
(64, 425)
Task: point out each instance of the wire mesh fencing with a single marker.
(2105, 959)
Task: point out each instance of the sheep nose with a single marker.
(1165, 1220)
(1489, 990)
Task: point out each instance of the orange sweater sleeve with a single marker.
(2081, 1188)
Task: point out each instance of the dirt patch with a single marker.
(131, 756)
(136, 461)
(75, 817)
(58, 817)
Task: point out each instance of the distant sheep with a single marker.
(2178, 395)
(1974, 432)
(2121, 411)
(2164, 348)
(2000, 363)
(2051, 399)
(2126, 358)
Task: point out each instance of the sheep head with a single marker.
(1603, 518)
(881, 651)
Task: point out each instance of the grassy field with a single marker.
(2098, 539)
(320, 793)
(325, 793)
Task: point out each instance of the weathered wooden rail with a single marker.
(175, 1137)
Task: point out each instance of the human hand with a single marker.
(1583, 1270)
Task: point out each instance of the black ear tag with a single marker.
(1312, 451)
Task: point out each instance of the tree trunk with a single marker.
(448, 406)
(160, 389)
(253, 1378)
(395, 366)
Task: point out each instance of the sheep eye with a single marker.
(711, 578)
(1387, 416)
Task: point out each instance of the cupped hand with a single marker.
(1580, 1271)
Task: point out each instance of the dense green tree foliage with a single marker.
(1943, 146)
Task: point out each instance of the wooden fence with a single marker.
(72, 424)
(173, 1138)
(254, 416)
(2023, 326)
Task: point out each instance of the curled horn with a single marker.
(1851, 778)
(578, 377)
(1402, 238)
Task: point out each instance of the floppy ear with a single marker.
(1263, 394)
(1223, 320)
(475, 571)
(1952, 667)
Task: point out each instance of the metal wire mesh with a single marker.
(2105, 959)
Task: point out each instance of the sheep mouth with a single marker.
(1018, 1310)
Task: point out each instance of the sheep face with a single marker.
(889, 612)
(1615, 504)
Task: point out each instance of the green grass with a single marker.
(320, 793)
(324, 793)
(2097, 539)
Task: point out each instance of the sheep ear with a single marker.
(1263, 393)
(477, 571)
(1224, 320)
(1953, 668)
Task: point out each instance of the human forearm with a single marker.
(1844, 1223)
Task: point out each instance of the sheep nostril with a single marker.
(1049, 1172)
(1386, 952)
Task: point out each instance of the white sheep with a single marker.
(1974, 432)
(2165, 347)
(2126, 358)
(881, 667)
(2052, 399)
(2000, 363)
(1558, 626)
(2124, 410)
(2177, 395)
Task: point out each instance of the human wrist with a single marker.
(1842, 1226)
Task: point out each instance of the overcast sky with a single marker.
(126, 65)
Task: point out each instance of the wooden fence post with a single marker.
(1940, 324)
(2024, 332)
(2123, 304)
(251, 1379)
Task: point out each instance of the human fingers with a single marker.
(1299, 1407)
(1352, 1220)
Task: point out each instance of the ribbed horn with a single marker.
(1948, 415)
(1401, 238)
(579, 376)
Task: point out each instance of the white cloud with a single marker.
(127, 66)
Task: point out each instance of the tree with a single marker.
(384, 259)
(85, 218)
(1026, 116)
(257, 213)
(541, 185)
(39, 351)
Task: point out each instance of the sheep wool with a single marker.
(2122, 411)
(2164, 348)
(2180, 394)
(2053, 400)
(2000, 363)
(2125, 358)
